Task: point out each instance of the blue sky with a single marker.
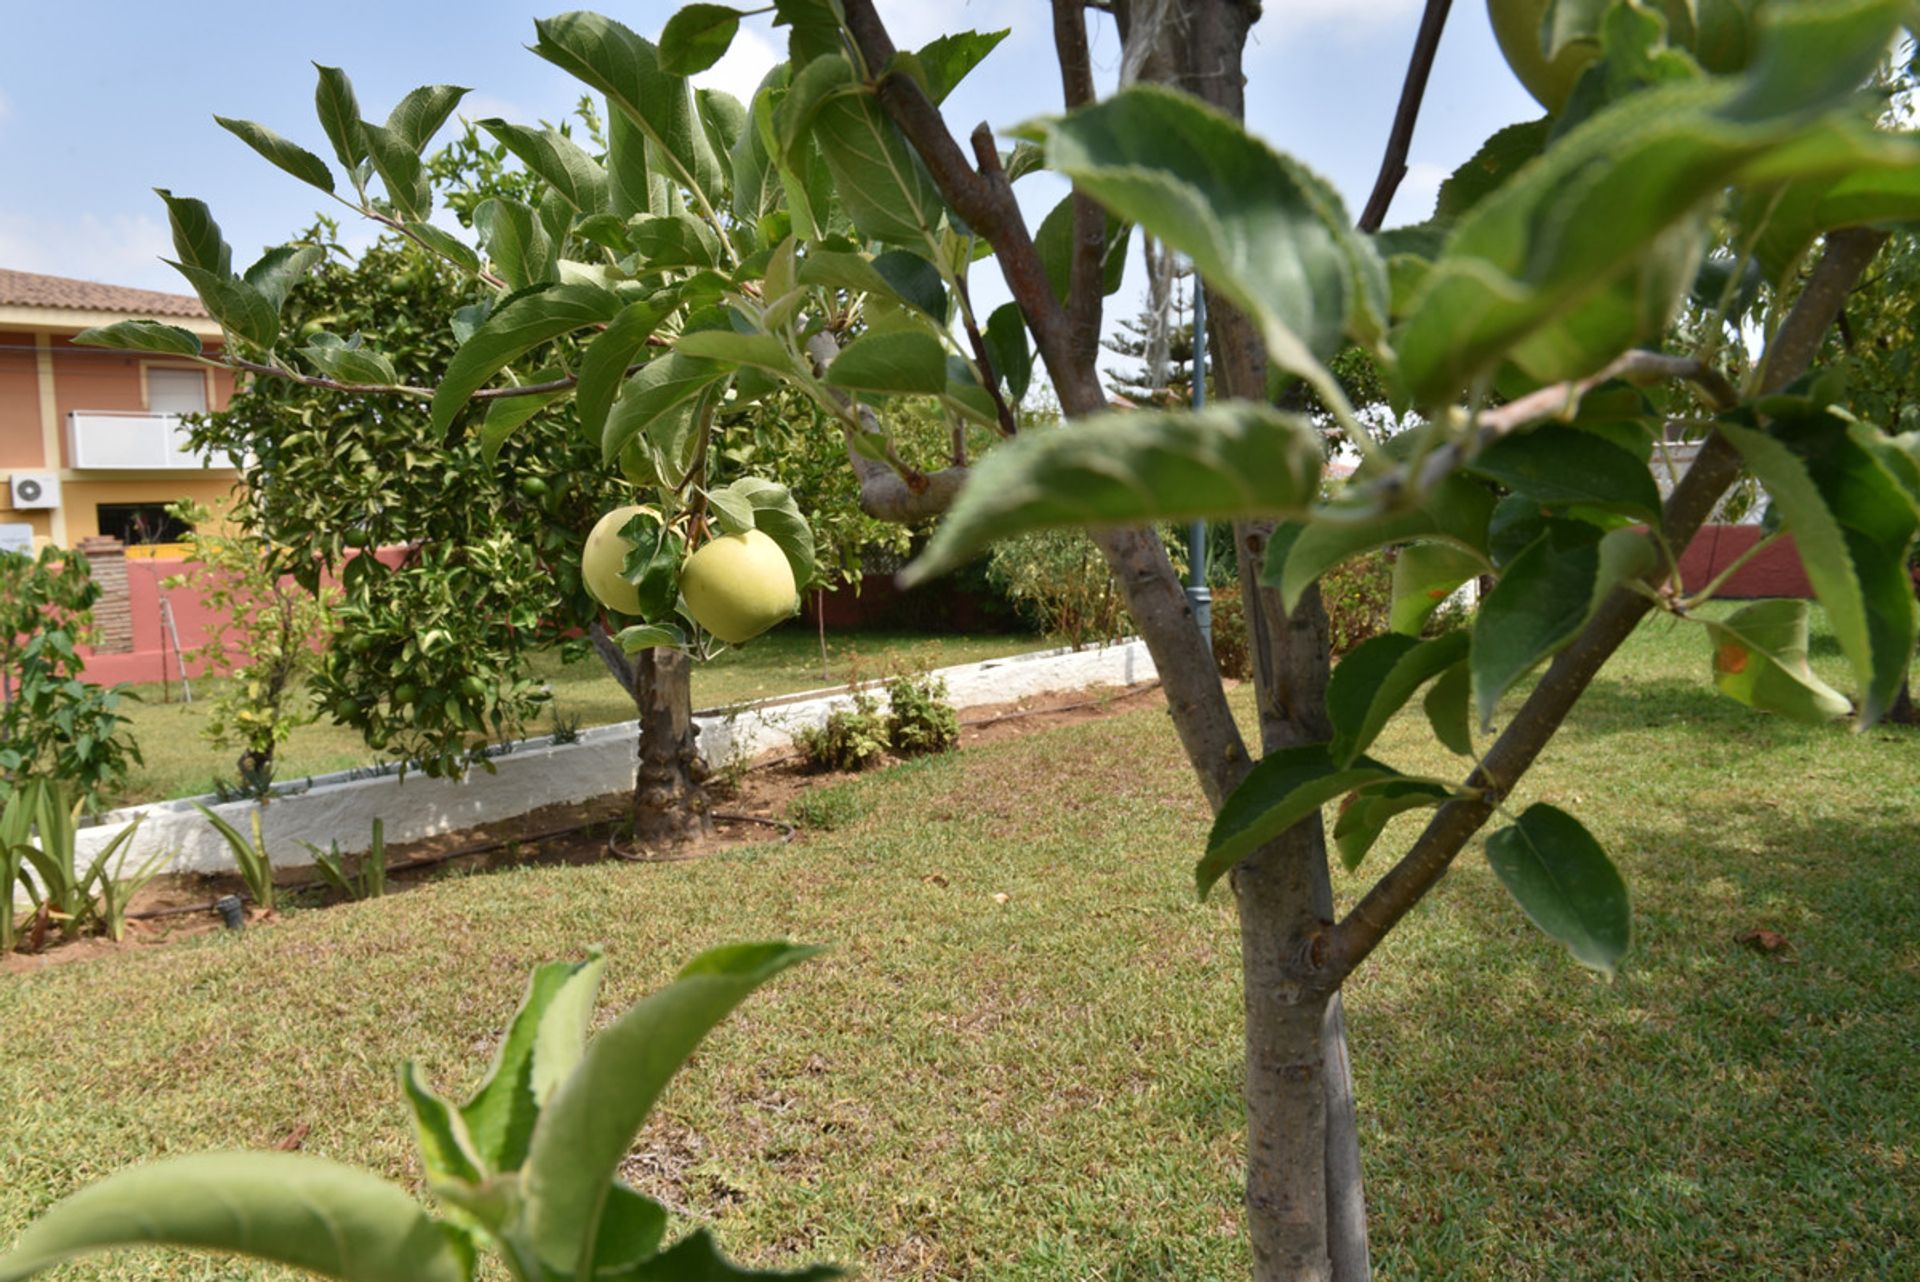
(102, 100)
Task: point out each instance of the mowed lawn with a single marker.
(1048, 1087)
(181, 763)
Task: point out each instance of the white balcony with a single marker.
(102, 439)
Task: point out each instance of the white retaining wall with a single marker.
(539, 773)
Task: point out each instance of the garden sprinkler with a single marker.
(233, 912)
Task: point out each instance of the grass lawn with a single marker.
(1048, 1088)
(181, 763)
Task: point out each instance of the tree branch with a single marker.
(1009, 425)
(1715, 468)
(1393, 166)
(1088, 266)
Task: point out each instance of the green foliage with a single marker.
(851, 738)
(367, 879)
(1358, 597)
(826, 808)
(266, 632)
(1565, 883)
(39, 834)
(919, 717)
(54, 725)
(1059, 583)
(527, 1169)
(249, 856)
(1229, 628)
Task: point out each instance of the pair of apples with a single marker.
(735, 586)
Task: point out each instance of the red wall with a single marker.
(1775, 572)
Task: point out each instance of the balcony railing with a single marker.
(117, 439)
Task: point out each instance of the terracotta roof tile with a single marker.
(29, 289)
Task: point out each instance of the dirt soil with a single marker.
(753, 808)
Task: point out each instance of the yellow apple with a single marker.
(1516, 25)
(605, 556)
(739, 585)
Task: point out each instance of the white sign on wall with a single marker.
(16, 536)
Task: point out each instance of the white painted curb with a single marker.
(539, 773)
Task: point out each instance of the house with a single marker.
(91, 442)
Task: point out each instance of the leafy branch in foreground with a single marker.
(527, 1169)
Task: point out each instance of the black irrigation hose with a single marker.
(786, 834)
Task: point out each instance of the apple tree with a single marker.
(820, 238)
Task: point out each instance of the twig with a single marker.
(1088, 266)
(1393, 166)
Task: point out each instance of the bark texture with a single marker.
(669, 796)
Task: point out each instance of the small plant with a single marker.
(250, 857)
(53, 723)
(566, 729)
(114, 889)
(852, 738)
(16, 821)
(1059, 583)
(826, 808)
(919, 717)
(368, 880)
(527, 1170)
(269, 632)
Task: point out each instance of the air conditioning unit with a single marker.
(28, 491)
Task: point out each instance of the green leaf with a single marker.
(196, 237)
(1558, 464)
(914, 280)
(1257, 225)
(1449, 711)
(348, 364)
(1853, 525)
(634, 184)
(674, 240)
(590, 1122)
(1760, 658)
(1053, 243)
(668, 384)
(626, 68)
(447, 245)
(557, 160)
(1364, 814)
(1456, 511)
(400, 170)
(505, 414)
(1376, 679)
(1286, 787)
(1424, 576)
(946, 60)
(445, 1148)
(1006, 339)
(291, 157)
(543, 1042)
(339, 113)
(652, 564)
(280, 269)
(140, 336)
(724, 118)
(697, 37)
(631, 1225)
(416, 118)
(647, 636)
(515, 240)
(905, 363)
(881, 181)
(776, 515)
(1540, 604)
(511, 332)
(732, 514)
(1498, 159)
(831, 269)
(695, 1258)
(289, 1208)
(238, 306)
(1565, 883)
(1235, 459)
(603, 367)
(761, 351)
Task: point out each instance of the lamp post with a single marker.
(1199, 595)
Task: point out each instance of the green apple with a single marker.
(605, 557)
(1516, 25)
(739, 585)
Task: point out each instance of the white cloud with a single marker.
(750, 57)
(123, 249)
(913, 23)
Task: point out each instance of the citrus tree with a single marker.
(820, 238)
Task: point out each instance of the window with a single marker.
(176, 391)
(135, 523)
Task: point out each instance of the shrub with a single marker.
(919, 717)
(852, 738)
(1230, 652)
(53, 724)
(267, 631)
(1358, 595)
(1059, 583)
